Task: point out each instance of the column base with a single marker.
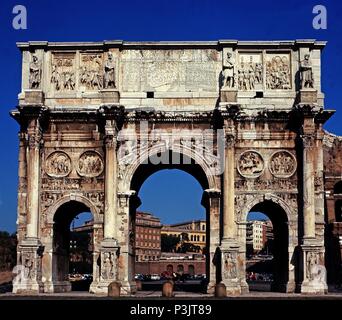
(110, 96)
(244, 287)
(228, 95)
(28, 289)
(314, 271)
(313, 287)
(28, 278)
(233, 287)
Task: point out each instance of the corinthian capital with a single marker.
(230, 141)
(308, 140)
(35, 139)
(110, 141)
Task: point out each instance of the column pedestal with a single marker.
(314, 271)
(230, 268)
(228, 95)
(108, 266)
(29, 273)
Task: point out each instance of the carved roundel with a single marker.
(58, 164)
(282, 164)
(251, 164)
(90, 164)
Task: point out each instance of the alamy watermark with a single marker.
(320, 21)
(178, 146)
(19, 21)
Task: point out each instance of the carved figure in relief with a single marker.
(28, 265)
(307, 80)
(109, 72)
(228, 72)
(278, 73)
(35, 73)
(90, 164)
(250, 163)
(91, 75)
(58, 164)
(312, 261)
(258, 73)
(107, 272)
(63, 75)
(56, 78)
(282, 164)
(69, 81)
(249, 74)
(230, 266)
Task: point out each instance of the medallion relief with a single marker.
(90, 164)
(282, 164)
(250, 164)
(58, 164)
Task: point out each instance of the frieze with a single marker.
(278, 71)
(90, 164)
(63, 72)
(258, 185)
(61, 184)
(251, 164)
(58, 164)
(91, 71)
(282, 164)
(250, 72)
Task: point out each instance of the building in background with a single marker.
(147, 237)
(259, 234)
(81, 247)
(195, 232)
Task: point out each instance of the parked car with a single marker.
(155, 277)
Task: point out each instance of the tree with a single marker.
(8, 251)
(169, 242)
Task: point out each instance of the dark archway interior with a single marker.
(338, 210)
(338, 188)
(280, 261)
(338, 201)
(65, 214)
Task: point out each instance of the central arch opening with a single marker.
(171, 229)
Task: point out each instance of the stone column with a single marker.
(109, 252)
(110, 208)
(308, 186)
(30, 250)
(211, 200)
(229, 244)
(314, 272)
(128, 202)
(33, 168)
(229, 226)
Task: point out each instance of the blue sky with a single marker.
(85, 20)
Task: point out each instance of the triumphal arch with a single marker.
(244, 118)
